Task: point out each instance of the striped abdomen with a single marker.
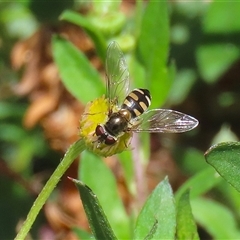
(137, 102)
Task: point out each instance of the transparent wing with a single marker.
(166, 121)
(117, 75)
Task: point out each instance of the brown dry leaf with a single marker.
(50, 77)
(42, 105)
(60, 221)
(32, 55)
(61, 126)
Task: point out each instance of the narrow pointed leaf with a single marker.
(95, 214)
(157, 219)
(186, 226)
(225, 158)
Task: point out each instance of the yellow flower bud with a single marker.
(96, 112)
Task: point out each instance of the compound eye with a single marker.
(100, 130)
(110, 140)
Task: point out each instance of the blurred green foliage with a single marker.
(187, 54)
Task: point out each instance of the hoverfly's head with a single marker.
(95, 114)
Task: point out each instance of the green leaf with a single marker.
(182, 86)
(215, 59)
(186, 226)
(215, 218)
(225, 158)
(221, 17)
(89, 28)
(200, 183)
(157, 219)
(77, 74)
(137, 72)
(95, 214)
(99, 177)
(230, 195)
(153, 49)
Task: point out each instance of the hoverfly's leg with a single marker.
(130, 148)
(133, 125)
(98, 144)
(128, 143)
(98, 141)
(87, 114)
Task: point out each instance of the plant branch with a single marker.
(72, 153)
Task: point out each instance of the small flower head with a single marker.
(96, 112)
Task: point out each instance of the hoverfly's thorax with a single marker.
(116, 124)
(137, 102)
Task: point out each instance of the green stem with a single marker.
(72, 153)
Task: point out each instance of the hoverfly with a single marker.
(132, 114)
